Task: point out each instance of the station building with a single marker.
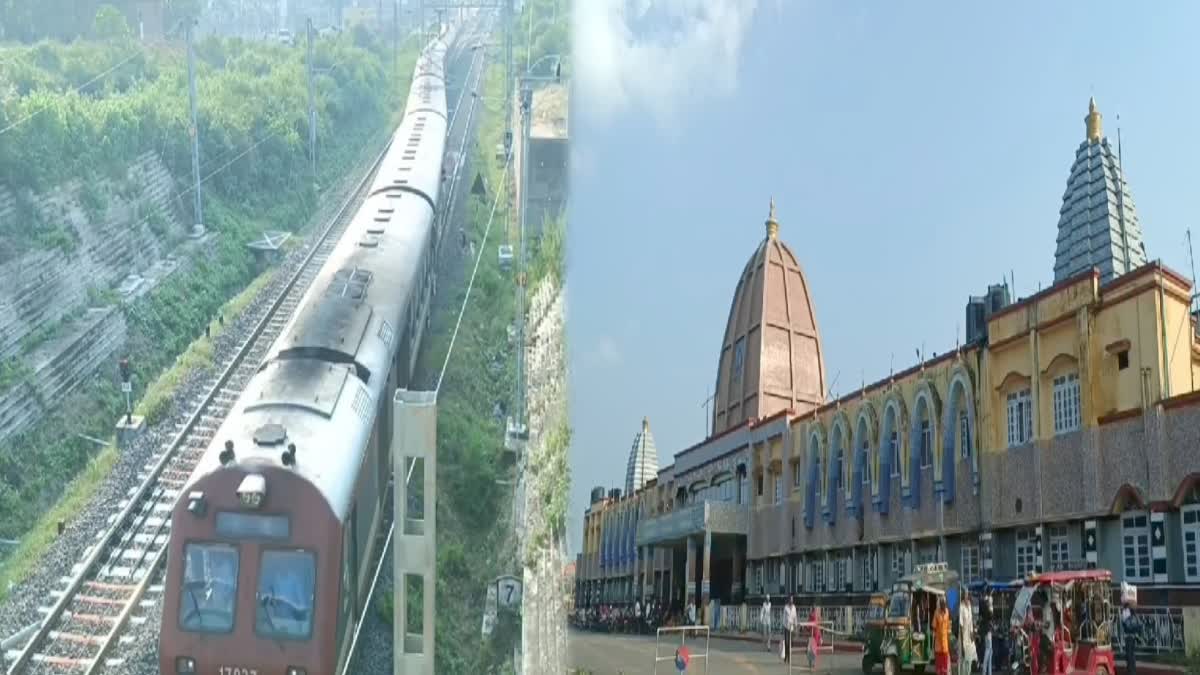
(1064, 432)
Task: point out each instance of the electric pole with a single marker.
(508, 75)
(195, 130)
(312, 105)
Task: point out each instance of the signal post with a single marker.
(130, 426)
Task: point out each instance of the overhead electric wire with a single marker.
(471, 284)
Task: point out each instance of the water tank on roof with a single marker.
(976, 320)
(997, 298)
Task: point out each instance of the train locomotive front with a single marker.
(272, 537)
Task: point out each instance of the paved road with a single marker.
(606, 654)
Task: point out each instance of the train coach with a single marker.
(268, 566)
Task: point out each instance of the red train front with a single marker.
(252, 577)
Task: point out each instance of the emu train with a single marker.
(268, 565)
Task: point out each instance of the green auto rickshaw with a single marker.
(907, 639)
(873, 624)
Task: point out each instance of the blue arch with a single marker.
(924, 401)
(893, 422)
(812, 452)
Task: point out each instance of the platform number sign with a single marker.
(508, 590)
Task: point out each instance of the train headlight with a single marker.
(293, 670)
(252, 491)
(196, 504)
(185, 665)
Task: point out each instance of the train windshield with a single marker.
(286, 583)
(209, 593)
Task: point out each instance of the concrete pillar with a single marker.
(689, 573)
(129, 429)
(705, 588)
(648, 574)
(739, 568)
(414, 451)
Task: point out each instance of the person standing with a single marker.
(941, 638)
(789, 635)
(1129, 630)
(764, 620)
(966, 639)
(985, 630)
(691, 613)
(814, 636)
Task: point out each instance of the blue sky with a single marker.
(916, 151)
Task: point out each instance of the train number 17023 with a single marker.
(232, 670)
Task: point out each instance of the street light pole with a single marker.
(312, 106)
(195, 130)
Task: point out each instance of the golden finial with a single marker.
(772, 224)
(1093, 120)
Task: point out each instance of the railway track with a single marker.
(119, 571)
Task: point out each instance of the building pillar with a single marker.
(689, 573)
(705, 588)
(1158, 546)
(985, 554)
(739, 568)
(648, 573)
(1039, 549)
(1091, 537)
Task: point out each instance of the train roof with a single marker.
(326, 374)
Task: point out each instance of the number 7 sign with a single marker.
(509, 591)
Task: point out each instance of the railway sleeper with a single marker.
(62, 661)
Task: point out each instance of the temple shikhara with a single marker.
(1064, 433)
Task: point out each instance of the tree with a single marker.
(110, 24)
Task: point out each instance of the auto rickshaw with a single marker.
(907, 642)
(1003, 594)
(1060, 624)
(873, 634)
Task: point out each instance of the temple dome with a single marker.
(643, 460)
(1098, 224)
(770, 356)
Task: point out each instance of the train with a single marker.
(272, 536)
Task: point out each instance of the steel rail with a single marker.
(136, 500)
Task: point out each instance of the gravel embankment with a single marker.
(20, 609)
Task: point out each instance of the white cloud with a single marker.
(660, 55)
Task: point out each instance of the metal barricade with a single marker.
(800, 644)
(683, 632)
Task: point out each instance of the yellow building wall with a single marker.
(1062, 331)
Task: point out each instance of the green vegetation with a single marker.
(197, 355)
(474, 535)
(257, 99)
(252, 119)
(13, 371)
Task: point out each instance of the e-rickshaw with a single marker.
(874, 625)
(1060, 624)
(1003, 594)
(907, 642)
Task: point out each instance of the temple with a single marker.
(1060, 434)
